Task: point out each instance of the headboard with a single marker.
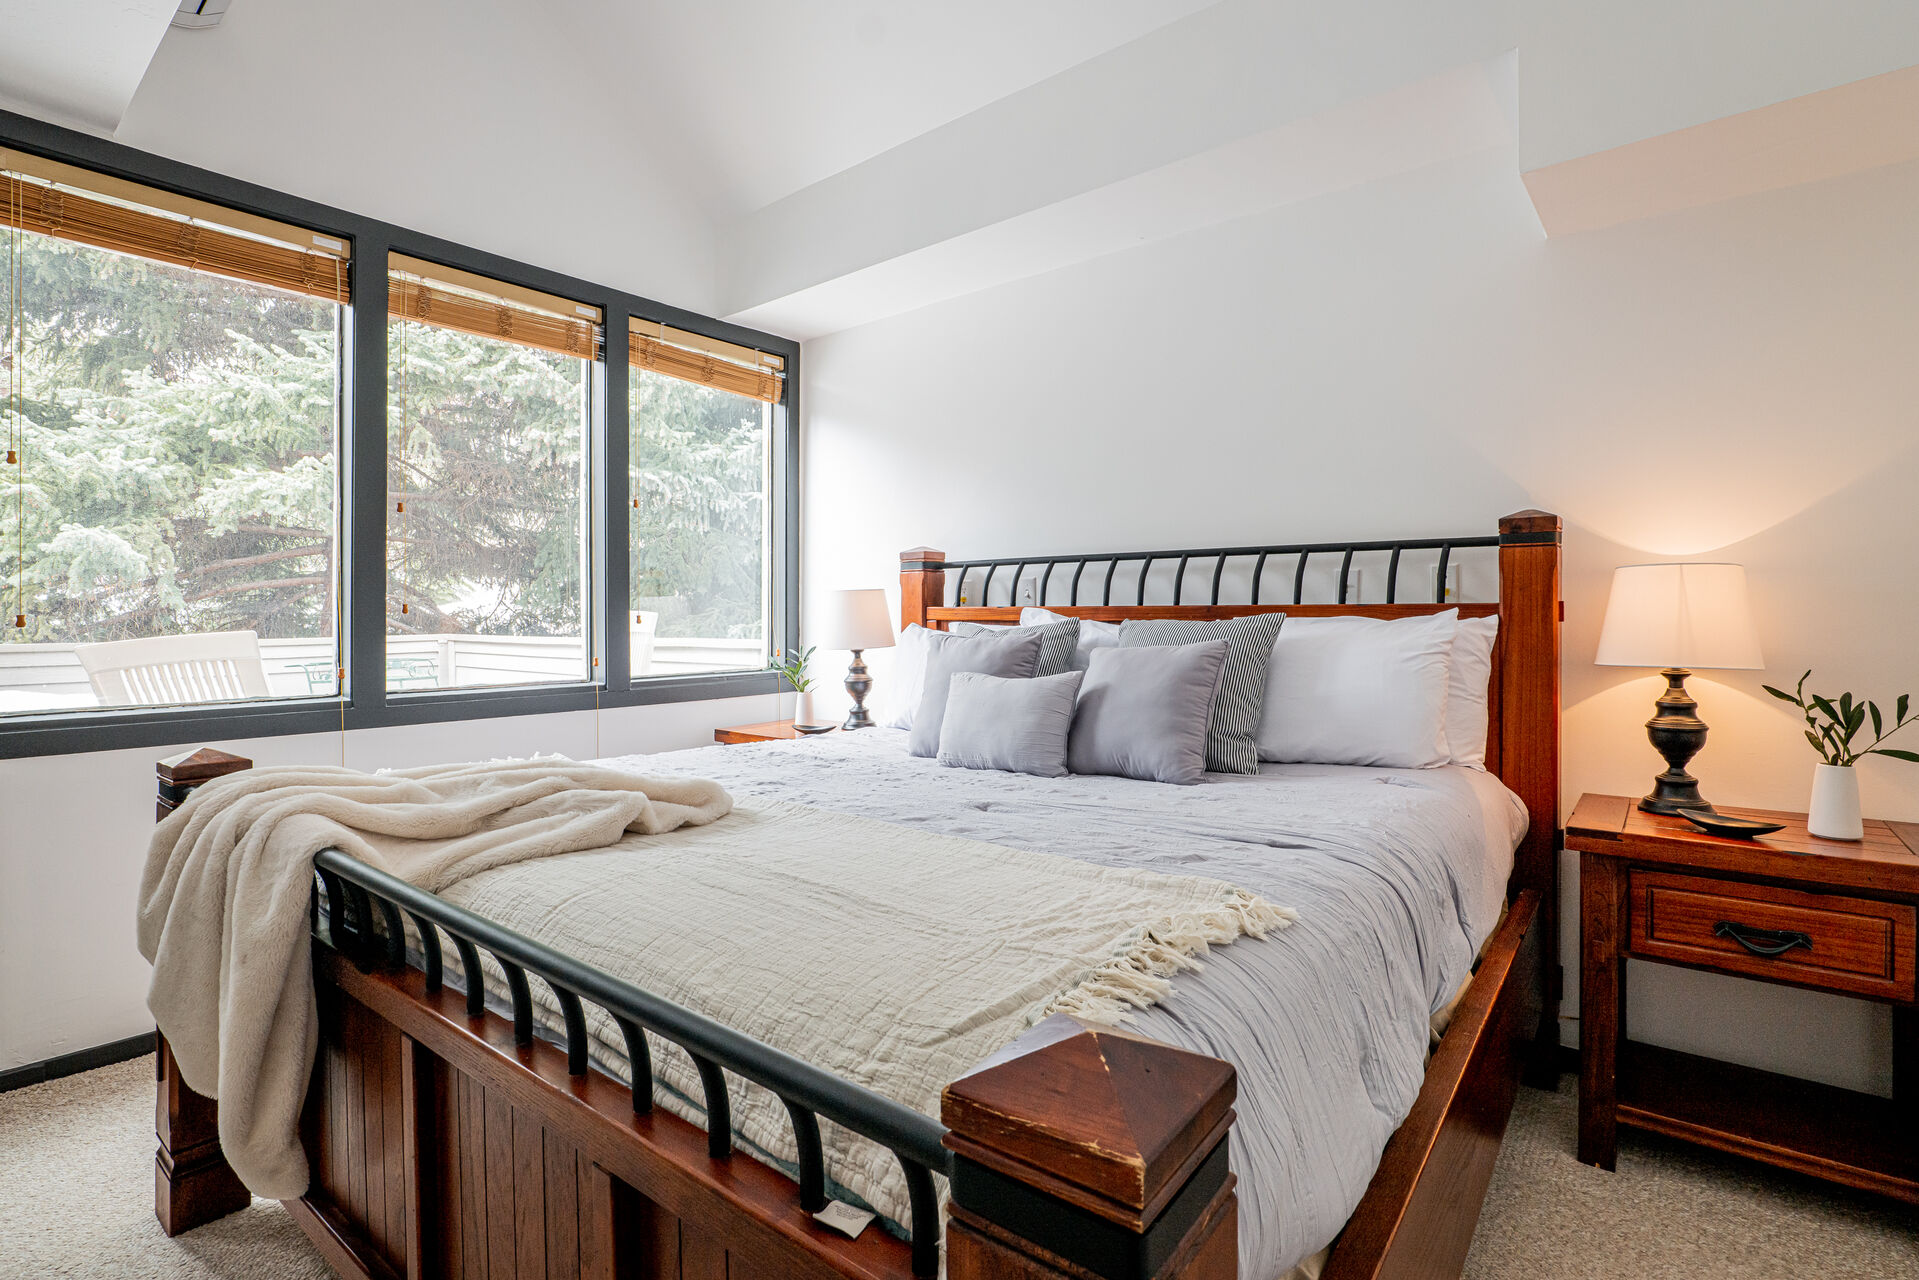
(1522, 742)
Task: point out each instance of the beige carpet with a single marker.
(1671, 1210)
(76, 1200)
(76, 1194)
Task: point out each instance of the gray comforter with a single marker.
(1397, 876)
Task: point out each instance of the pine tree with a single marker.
(177, 431)
(180, 469)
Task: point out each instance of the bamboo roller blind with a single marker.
(451, 299)
(693, 357)
(172, 229)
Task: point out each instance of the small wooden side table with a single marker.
(1790, 908)
(767, 731)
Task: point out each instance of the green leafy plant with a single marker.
(1832, 726)
(793, 669)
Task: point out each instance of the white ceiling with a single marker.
(810, 165)
(1452, 114)
(769, 96)
(78, 61)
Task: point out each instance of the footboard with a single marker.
(447, 1140)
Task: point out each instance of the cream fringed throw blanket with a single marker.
(223, 905)
(892, 956)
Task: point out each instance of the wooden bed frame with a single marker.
(445, 1142)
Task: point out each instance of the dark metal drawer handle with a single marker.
(1763, 942)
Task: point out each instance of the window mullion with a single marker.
(363, 497)
(784, 549)
(611, 588)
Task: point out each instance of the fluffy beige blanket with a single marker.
(223, 905)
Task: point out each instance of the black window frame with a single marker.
(366, 703)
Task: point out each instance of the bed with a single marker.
(454, 1136)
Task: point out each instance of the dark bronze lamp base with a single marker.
(1677, 733)
(858, 684)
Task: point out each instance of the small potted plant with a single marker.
(1831, 728)
(792, 670)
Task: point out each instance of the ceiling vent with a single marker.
(197, 15)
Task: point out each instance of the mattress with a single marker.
(1398, 876)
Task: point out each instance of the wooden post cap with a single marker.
(180, 775)
(204, 765)
(922, 555)
(1530, 525)
(1110, 1122)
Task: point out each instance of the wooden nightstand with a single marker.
(769, 731)
(1788, 908)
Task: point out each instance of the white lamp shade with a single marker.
(1679, 615)
(853, 620)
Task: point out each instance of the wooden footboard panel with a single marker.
(361, 1131)
(439, 1148)
(420, 1169)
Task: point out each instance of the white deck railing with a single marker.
(48, 677)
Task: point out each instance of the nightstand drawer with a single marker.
(1859, 946)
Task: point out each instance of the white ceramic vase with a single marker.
(803, 708)
(1835, 803)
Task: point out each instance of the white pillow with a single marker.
(902, 695)
(1092, 635)
(1369, 691)
(1467, 708)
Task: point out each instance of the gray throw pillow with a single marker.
(1143, 711)
(1020, 726)
(1057, 641)
(1231, 737)
(1014, 654)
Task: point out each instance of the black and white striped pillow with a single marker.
(1057, 641)
(1230, 734)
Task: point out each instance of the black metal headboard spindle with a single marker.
(1301, 552)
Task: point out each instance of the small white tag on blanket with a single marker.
(843, 1218)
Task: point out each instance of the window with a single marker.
(184, 475)
(489, 408)
(699, 431)
(171, 419)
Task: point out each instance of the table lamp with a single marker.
(1677, 617)
(858, 620)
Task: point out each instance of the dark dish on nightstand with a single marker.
(1725, 824)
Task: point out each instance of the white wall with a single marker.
(1414, 357)
(76, 833)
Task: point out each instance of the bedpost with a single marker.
(192, 1182)
(1098, 1154)
(1530, 614)
(922, 584)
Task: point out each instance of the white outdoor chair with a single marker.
(213, 666)
(646, 627)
